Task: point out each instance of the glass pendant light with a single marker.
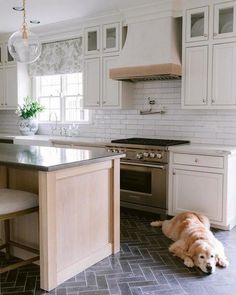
(24, 46)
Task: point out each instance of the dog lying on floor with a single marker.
(193, 241)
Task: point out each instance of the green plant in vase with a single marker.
(27, 113)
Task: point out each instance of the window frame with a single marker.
(62, 106)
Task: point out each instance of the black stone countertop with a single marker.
(51, 158)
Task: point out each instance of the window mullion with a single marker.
(63, 98)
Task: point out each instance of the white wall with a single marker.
(201, 126)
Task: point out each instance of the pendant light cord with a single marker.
(24, 25)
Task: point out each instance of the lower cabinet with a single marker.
(198, 191)
(204, 184)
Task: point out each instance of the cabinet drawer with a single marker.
(199, 160)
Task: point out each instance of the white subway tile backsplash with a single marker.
(199, 126)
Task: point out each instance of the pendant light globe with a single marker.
(23, 45)
(24, 50)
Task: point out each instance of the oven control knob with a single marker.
(146, 154)
(152, 155)
(139, 156)
(109, 150)
(159, 156)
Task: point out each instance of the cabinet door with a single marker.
(92, 40)
(111, 37)
(198, 191)
(8, 58)
(196, 75)
(225, 20)
(197, 21)
(11, 101)
(2, 88)
(92, 82)
(224, 74)
(111, 88)
(1, 54)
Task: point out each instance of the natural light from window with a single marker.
(62, 95)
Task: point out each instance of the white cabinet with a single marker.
(92, 40)
(99, 90)
(225, 20)
(197, 20)
(196, 73)
(92, 83)
(104, 38)
(209, 56)
(224, 75)
(111, 39)
(5, 56)
(102, 48)
(198, 191)
(14, 86)
(110, 88)
(204, 183)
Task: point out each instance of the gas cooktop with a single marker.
(150, 141)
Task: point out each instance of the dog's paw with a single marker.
(188, 262)
(223, 263)
(156, 223)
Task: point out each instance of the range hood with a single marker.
(152, 51)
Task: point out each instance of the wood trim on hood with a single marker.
(146, 72)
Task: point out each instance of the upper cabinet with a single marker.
(102, 48)
(5, 56)
(111, 38)
(197, 21)
(224, 20)
(209, 56)
(92, 40)
(102, 39)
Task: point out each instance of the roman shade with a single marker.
(62, 57)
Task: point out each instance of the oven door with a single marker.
(144, 184)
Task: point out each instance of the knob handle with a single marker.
(213, 101)
(196, 160)
(152, 155)
(139, 156)
(146, 154)
(159, 156)
(204, 100)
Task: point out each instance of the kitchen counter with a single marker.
(51, 158)
(79, 206)
(205, 149)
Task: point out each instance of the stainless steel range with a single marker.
(144, 171)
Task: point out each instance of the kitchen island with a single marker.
(79, 205)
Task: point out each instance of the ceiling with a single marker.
(52, 11)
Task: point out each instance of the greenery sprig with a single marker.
(30, 108)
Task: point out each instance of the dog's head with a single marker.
(204, 256)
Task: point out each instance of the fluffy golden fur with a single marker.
(193, 241)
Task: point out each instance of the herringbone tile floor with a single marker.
(143, 267)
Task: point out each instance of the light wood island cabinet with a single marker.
(79, 206)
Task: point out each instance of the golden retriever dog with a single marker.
(193, 241)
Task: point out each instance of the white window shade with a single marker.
(63, 57)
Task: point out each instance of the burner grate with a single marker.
(150, 141)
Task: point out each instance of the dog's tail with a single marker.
(157, 223)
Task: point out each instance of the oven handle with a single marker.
(144, 165)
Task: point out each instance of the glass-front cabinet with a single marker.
(92, 40)
(225, 20)
(111, 37)
(197, 21)
(5, 56)
(1, 54)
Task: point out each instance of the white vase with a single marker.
(28, 126)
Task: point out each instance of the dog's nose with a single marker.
(209, 268)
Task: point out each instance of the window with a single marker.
(62, 95)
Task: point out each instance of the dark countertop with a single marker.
(51, 158)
